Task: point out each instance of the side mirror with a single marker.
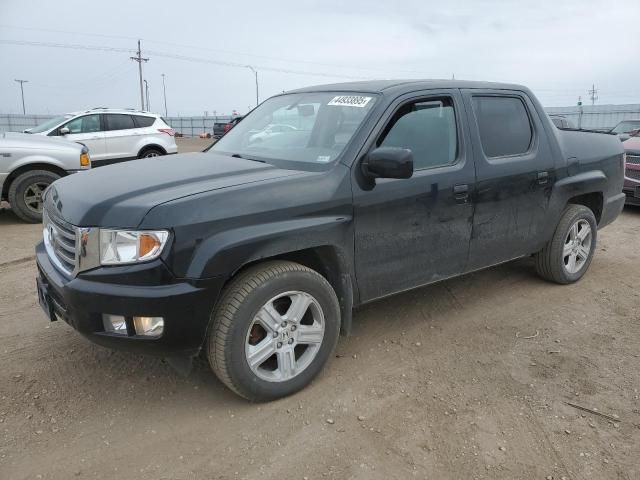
(388, 162)
(64, 131)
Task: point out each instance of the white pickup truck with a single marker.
(30, 163)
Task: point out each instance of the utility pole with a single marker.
(138, 58)
(22, 82)
(146, 89)
(593, 94)
(164, 90)
(255, 72)
(580, 112)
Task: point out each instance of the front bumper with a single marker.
(632, 195)
(611, 209)
(632, 186)
(138, 290)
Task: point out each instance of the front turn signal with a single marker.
(85, 161)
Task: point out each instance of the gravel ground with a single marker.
(469, 378)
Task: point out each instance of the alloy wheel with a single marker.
(33, 196)
(577, 246)
(285, 336)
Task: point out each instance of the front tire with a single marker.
(567, 256)
(26, 191)
(273, 330)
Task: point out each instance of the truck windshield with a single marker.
(302, 127)
(49, 124)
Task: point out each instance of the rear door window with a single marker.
(504, 125)
(142, 121)
(116, 121)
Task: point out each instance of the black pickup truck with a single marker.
(256, 252)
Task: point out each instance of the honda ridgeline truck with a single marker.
(256, 253)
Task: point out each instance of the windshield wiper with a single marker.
(237, 155)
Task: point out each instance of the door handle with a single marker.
(543, 177)
(461, 193)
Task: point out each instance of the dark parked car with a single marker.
(632, 170)
(221, 128)
(260, 256)
(626, 128)
(561, 121)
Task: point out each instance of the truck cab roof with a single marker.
(407, 85)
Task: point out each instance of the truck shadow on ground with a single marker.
(88, 368)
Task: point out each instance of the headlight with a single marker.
(119, 247)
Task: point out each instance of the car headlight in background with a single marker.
(119, 247)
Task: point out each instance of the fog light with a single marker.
(114, 324)
(149, 326)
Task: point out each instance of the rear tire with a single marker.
(151, 152)
(25, 194)
(273, 330)
(567, 256)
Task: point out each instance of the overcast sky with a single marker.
(558, 48)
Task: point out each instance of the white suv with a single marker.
(113, 135)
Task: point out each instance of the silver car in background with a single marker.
(30, 163)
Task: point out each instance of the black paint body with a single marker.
(369, 238)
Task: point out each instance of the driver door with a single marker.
(411, 232)
(88, 131)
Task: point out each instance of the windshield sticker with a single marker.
(350, 101)
(323, 158)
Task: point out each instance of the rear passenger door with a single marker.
(410, 232)
(515, 173)
(121, 137)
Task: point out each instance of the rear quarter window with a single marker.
(143, 121)
(504, 125)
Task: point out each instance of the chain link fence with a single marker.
(587, 116)
(187, 126)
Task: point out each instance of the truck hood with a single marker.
(119, 196)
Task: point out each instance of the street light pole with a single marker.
(255, 72)
(22, 82)
(164, 90)
(146, 89)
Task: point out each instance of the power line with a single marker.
(75, 46)
(226, 52)
(156, 53)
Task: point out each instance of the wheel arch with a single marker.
(329, 262)
(594, 201)
(25, 168)
(584, 189)
(151, 146)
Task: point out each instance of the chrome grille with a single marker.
(635, 159)
(635, 174)
(60, 242)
